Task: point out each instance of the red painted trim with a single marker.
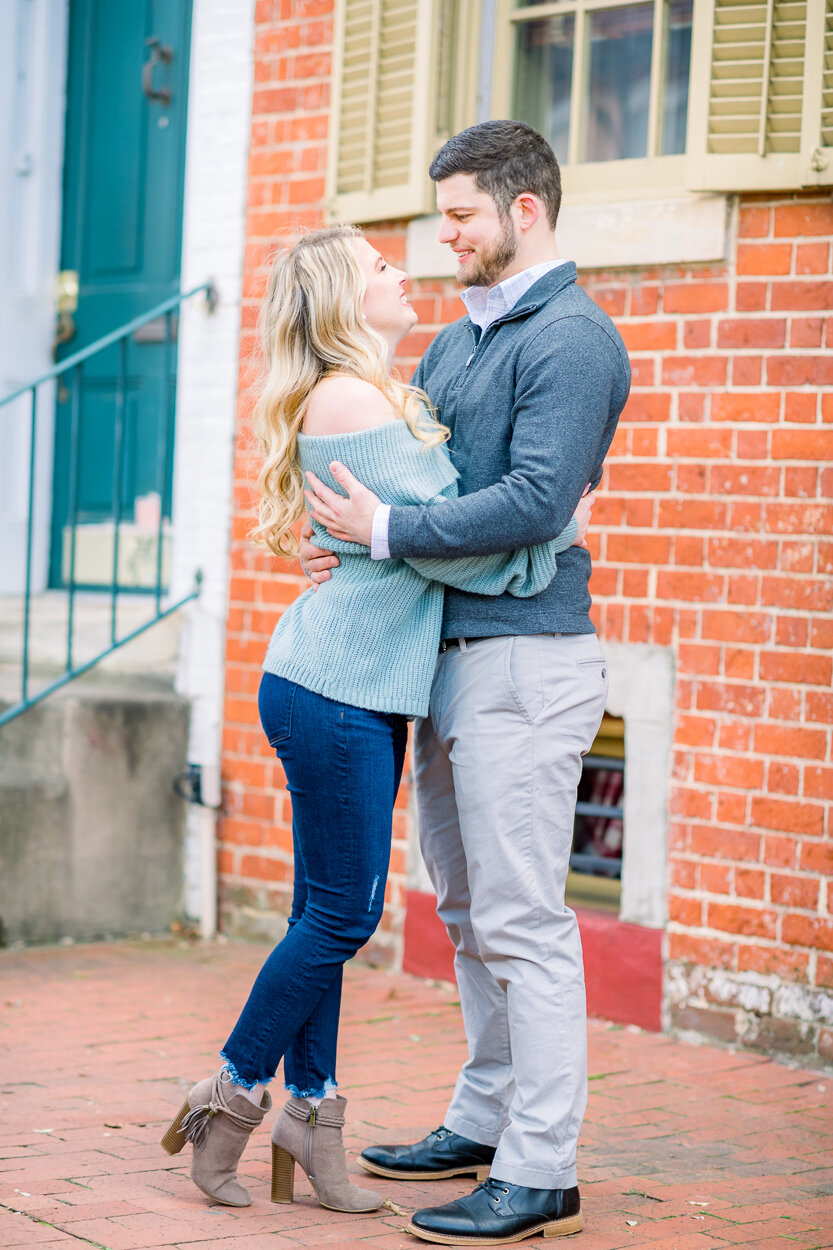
(622, 962)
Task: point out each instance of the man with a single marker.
(531, 384)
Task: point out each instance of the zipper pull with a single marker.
(471, 358)
(312, 1116)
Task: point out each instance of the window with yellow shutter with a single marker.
(817, 127)
(761, 71)
(403, 81)
(606, 82)
(827, 79)
(723, 95)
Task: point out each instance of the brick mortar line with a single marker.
(34, 1219)
(752, 900)
(702, 787)
(677, 319)
(707, 714)
(705, 931)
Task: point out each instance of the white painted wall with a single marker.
(219, 119)
(32, 105)
(673, 231)
(641, 691)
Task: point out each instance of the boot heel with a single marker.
(175, 1139)
(566, 1227)
(283, 1174)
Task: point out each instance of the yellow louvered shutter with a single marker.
(387, 115)
(827, 80)
(756, 102)
(817, 140)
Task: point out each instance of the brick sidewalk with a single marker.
(684, 1148)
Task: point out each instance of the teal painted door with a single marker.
(122, 228)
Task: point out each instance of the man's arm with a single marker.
(561, 430)
(561, 410)
(521, 573)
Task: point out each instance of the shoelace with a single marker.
(196, 1122)
(493, 1188)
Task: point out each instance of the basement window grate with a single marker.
(595, 873)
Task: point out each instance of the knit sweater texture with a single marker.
(369, 636)
(532, 405)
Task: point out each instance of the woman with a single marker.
(345, 669)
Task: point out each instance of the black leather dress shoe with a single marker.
(498, 1213)
(441, 1153)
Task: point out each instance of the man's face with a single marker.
(484, 243)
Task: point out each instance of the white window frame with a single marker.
(595, 180)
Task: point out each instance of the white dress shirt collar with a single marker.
(486, 304)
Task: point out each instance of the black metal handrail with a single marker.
(72, 365)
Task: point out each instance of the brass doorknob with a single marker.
(66, 291)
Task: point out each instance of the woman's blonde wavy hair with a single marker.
(312, 327)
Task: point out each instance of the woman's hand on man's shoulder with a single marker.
(344, 405)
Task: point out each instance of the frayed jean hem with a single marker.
(328, 1085)
(237, 1079)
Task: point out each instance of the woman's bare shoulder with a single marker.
(343, 405)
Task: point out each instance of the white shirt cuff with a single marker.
(379, 547)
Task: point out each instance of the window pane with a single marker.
(543, 72)
(620, 82)
(596, 858)
(677, 67)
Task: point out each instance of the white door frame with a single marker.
(33, 55)
(214, 234)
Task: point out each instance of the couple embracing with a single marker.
(455, 510)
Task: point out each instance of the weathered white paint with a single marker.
(219, 112)
(676, 231)
(32, 104)
(756, 997)
(642, 692)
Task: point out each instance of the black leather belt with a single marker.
(448, 643)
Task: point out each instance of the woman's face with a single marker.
(385, 305)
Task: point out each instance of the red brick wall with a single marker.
(712, 536)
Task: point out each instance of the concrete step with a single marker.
(91, 830)
(154, 651)
(153, 654)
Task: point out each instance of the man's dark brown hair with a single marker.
(505, 158)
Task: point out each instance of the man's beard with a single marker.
(488, 267)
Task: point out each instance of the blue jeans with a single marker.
(343, 766)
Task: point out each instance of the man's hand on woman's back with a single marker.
(315, 561)
(582, 513)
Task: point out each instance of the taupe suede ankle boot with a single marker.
(311, 1136)
(218, 1123)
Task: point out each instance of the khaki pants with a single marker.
(498, 760)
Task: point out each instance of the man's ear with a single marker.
(529, 209)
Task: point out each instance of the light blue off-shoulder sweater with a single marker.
(370, 635)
